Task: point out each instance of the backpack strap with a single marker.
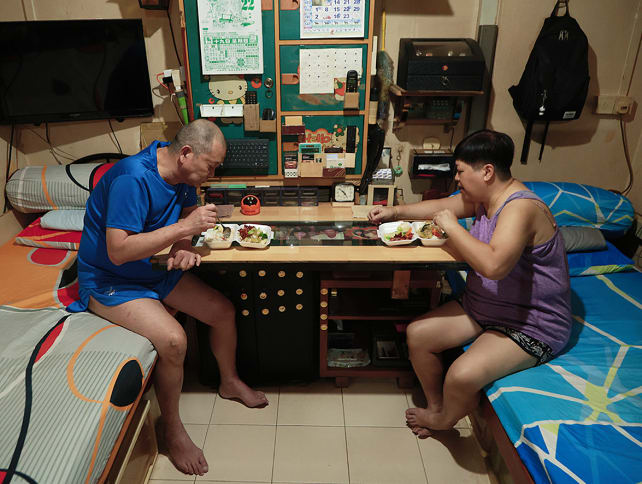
(559, 4)
(541, 148)
(527, 141)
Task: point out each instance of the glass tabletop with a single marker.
(338, 233)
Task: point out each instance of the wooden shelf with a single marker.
(349, 305)
(401, 92)
(400, 98)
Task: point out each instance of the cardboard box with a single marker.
(339, 160)
(251, 117)
(311, 165)
(267, 125)
(351, 100)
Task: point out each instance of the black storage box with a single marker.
(440, 65)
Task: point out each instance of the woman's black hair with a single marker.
(487, 146)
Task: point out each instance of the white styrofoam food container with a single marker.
(255, 245)
(221, 244)
(432, 242)
(391, 228)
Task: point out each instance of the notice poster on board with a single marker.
(231, 36)
(322, 19)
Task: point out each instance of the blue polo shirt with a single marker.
(130, 196)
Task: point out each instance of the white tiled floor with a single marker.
(318, 433)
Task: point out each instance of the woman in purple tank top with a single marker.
(516, 308)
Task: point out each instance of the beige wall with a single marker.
(588, 150)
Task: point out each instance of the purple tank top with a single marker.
(534, 297)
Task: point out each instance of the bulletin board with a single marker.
(278, 87)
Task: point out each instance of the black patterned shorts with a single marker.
(532, 346)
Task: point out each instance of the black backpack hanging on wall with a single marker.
(555, 81)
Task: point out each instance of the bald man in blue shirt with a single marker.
(145, 203)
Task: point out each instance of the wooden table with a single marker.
(415, 254)
(274, 317)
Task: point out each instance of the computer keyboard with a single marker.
(246, 156)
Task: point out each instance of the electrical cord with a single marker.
(51, 148)
(120, 150)
(171, 28)
(625, 146)
(6, 178)
(60, 152)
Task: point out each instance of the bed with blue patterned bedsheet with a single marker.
(578, 418)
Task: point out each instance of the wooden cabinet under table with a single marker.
(357, 309)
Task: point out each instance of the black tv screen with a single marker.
(69, 70)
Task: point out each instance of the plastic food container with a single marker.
(220, 244)
(390, 228)
(431, 242)
(255, 245)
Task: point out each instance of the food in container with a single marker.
(254, 235)
(430, 234)
(397, 233)
(220, 236)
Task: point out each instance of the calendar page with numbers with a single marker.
(322, 19)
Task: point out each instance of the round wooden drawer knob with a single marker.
(324, 291)
(263, 295)
(324, 316)
(265, 311)
(299, 307)
(281, 273)
(280, 292)
(282, 309)
(299, 292)
(261, 273)
(324, 327)
(245, 312)
(242, 273)
(324, 304)
(243, 296)
(299, 274)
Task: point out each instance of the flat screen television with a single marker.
(70, 70)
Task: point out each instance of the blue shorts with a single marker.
(116, 294)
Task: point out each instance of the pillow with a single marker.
(63, 220)
(36, 236)
(598, 262)
(578, 205)
(586, 206)
(40, 188)
(578, 239)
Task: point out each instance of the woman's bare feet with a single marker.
(428, 419)
(421, 432)
(419, 417)
(183, 453)
(237, 390)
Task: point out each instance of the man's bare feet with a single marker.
(183, 453)
(237, 390)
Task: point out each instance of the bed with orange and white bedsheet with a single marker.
(68, 382)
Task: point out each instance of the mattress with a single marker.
(579, 417)
(67, 381)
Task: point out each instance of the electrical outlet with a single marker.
(623, 105)
(613, 105)
(605, 104)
